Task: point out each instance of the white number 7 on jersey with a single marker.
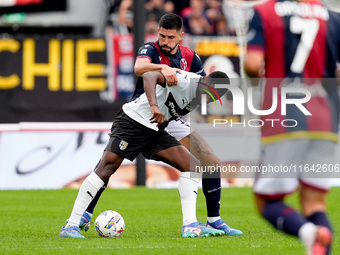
(308, 28)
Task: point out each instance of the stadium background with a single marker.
(65, 71)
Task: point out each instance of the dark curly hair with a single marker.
(171, 21)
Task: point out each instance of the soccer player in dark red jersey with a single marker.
(295, 45)
(139, 128)
(168, 56)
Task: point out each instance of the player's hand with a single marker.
(170, 75)
(157, 115)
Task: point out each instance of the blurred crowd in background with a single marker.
(200, 17)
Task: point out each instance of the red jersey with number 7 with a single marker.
(301, 42)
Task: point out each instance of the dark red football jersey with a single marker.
(185, 59)
(300, 41)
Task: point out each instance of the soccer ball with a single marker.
(109, 224)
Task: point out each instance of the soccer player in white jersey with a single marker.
(139, 128)
(168, 56)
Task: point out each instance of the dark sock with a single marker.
(321, 219)
(283, 217)
(93, 203)
(212, 192)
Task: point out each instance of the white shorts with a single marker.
(178, 128)
(288, 163)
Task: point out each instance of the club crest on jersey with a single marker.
(184, 64)
(123, 145)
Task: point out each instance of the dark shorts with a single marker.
(128, 138)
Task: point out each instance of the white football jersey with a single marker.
(173, 101)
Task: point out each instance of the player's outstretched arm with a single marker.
(150, 80)
(143, 65)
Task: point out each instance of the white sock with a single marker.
(86, 193)
(188, 193)
(213, 219)
(307, 234)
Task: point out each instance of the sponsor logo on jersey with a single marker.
(184, 64)
(123, 145)
(184, 101)
(174, 109)
(143, 51)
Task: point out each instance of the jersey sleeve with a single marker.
(146, 51)
(196, 66)
(335, 17)
(255, 34)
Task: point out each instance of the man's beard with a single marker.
(168, 52)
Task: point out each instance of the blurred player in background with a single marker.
(168, 57)
(140, 128)
(297, 41)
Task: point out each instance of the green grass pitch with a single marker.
(31, 221)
